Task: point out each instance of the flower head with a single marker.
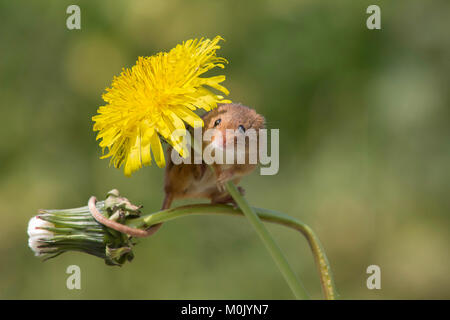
(155, 98)
(53, 232)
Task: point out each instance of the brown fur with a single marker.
(197, 180)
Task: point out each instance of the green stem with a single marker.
(280, 260)
(322, 264)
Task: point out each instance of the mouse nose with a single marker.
(220, 138)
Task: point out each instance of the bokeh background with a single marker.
(364, 159)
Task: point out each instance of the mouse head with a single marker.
(232, 120)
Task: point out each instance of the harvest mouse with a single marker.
(197, 180)
(185, 181)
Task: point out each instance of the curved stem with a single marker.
(275, 251)
(323, 266)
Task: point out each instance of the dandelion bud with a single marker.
(53, 232)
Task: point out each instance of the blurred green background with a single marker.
(364, 129)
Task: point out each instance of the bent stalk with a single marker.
(323, 266)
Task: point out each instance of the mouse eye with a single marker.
(217, 122)
(241, 128)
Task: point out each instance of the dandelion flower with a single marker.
(154, 99)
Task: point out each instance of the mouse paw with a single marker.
(223, 178)
(220, 186)
(227, 200)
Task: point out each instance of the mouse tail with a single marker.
(167, 202)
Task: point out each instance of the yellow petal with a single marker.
(157, 150)
(188, 116)
(155, 98)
